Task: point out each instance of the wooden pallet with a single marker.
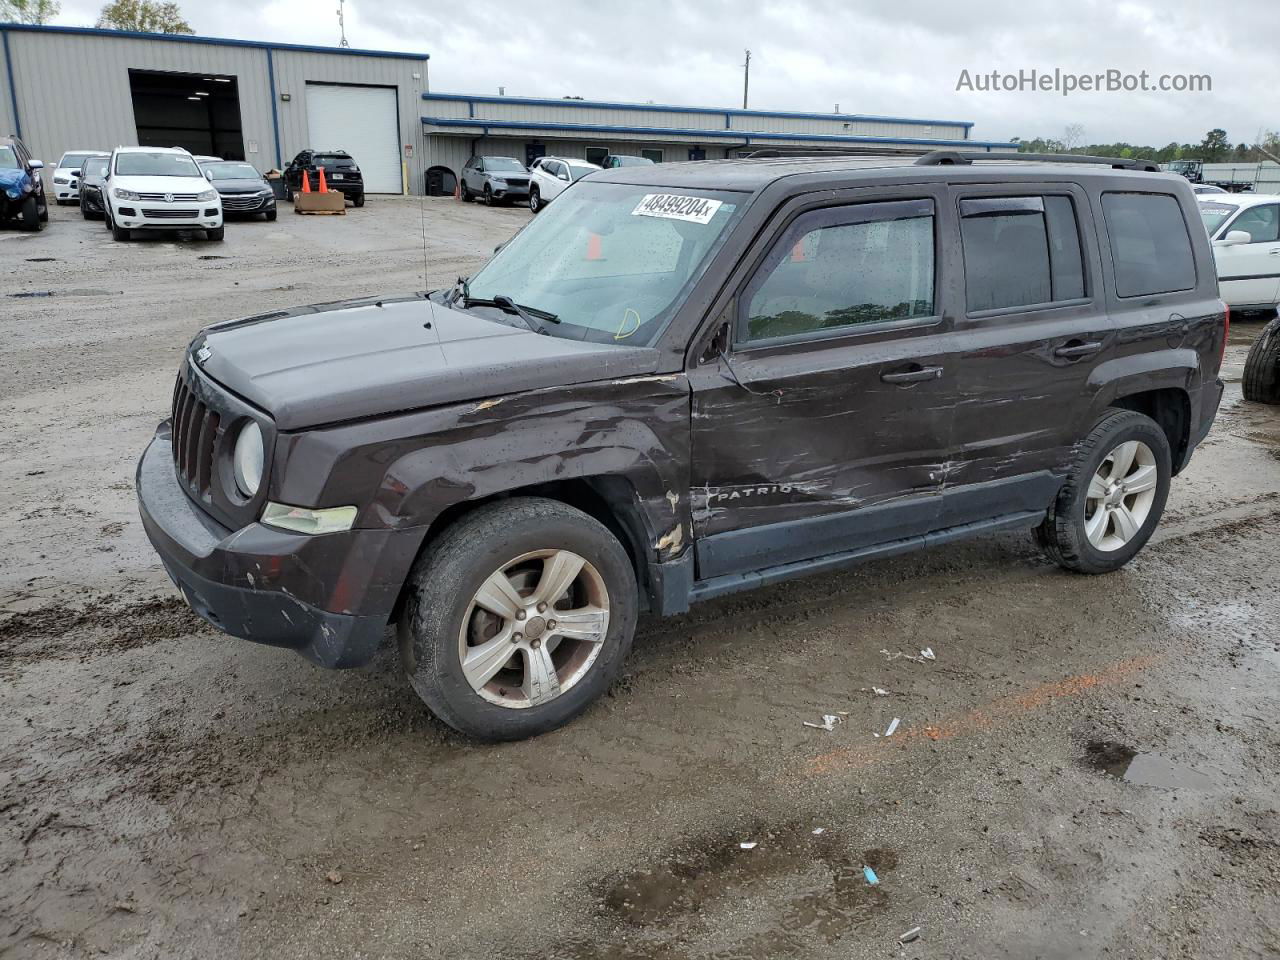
(321, 213)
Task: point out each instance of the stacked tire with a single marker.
(1262, 368)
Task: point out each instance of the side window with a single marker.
(841, 267)
(1261, 223)
(1150, 245)
(1020, 251)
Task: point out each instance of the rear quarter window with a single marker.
(1150, 244)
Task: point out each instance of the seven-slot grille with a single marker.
(169, 213)
(195, 433)
(245, 201)
(161, 196)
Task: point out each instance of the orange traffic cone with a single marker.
(797, 252)
(323, 188)
(595, 249)
(306, 182)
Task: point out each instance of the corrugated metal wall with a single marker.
(73, 90)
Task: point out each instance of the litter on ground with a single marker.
(818, 831)
(870, 874)
(910, 935)
(748, 845)
(927, 654)
(892, 727)
(829, 721)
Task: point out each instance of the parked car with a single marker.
(681, 382)
(615, 160)
(496, 179)
(93, 174)
(1245, 231)
(1199, 188)
(22, 196)
(341, 173)
(66, 175)
(243, 189)
(550, 175)
(204, 158)
(159, 188)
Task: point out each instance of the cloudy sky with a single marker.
(901, 58)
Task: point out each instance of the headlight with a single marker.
(307, 520)
(246, 462)
(499, 182)
(207, 195)
(122, 194)
(61, 180)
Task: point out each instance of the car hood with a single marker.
(361, 358)
(244, 185)
(161, 184)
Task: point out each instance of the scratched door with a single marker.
(826, 425)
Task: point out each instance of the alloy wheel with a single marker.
(1121, 493)
(534, 628)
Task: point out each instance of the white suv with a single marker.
(66, 175)
(550, 175)
(159, 188)
(1245, 230)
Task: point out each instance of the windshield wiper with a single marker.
(533, 318)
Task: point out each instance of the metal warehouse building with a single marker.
(64, 88)
(456, 126)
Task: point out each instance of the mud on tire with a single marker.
(439, 613)
(1261, 382)
(1063, 536)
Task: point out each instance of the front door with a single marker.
(823, 426)
(1249, 273)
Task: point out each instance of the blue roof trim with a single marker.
(668, 108)
(747, 135)
(212, 41)
(13, 90)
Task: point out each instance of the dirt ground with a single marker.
(1088, 767)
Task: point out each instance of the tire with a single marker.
(358, 201)
(44, 211)
(216, 234)
(535, 200)
(84, 212)
(60, 202)
(464, 194)
(270, 215)
(1064, 535)
(495, 540)
(488, 196)
(1261, 382)
(31, 214)
(118, 233)
(288, 193)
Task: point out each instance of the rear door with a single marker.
(1249, 273)
(1034, 327)
(822, 426)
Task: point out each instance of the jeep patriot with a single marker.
(681, 381)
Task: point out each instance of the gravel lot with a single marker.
(166, 792)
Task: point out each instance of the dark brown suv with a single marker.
(681, 381)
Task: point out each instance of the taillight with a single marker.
(1226, 330)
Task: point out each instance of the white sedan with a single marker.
(549, 176)
(66, 175)
(1245, 231)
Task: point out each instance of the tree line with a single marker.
(142, 16)
(1216, 147)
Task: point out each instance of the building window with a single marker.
(654, 155)
(597, 155)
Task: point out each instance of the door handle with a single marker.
(1077, 350)
(1274, 252)
(915, 375)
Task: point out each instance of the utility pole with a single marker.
(746, 79)
(342, 26)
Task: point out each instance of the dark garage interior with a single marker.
(200, 112)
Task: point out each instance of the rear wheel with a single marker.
(518, 617)
(1113, 498)
(1261, 382)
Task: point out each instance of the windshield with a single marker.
(611, 260)
(577, 170)
(156, 165)
(1182, 166)
(1213, 215)
(97, 167)
(503, 163)
(231, 171)
(73, 160)
(7, 157)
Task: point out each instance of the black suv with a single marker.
(22, 198)
(682, 381)
(341, 173)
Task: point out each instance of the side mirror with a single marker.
(1234, 238)
(76, 172)
(208, 175)
(37, 164)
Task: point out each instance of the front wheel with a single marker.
(44, 211)
(216, 233)
(518, 617)
(270, 214)
(1113, 498)
(464, 194)
(118, 233)
(488, 196)
(1261, 382)
(31, 214)
(535, 200)
(358, 200)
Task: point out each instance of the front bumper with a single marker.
(509, 191)
(151, 216)
(328, 597)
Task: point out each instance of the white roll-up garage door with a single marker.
(361, 121)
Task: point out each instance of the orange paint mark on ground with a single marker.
(980, 718)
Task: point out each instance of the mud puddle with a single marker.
(1144, 769)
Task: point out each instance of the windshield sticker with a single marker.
(671, 206)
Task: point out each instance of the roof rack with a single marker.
(944, 157)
